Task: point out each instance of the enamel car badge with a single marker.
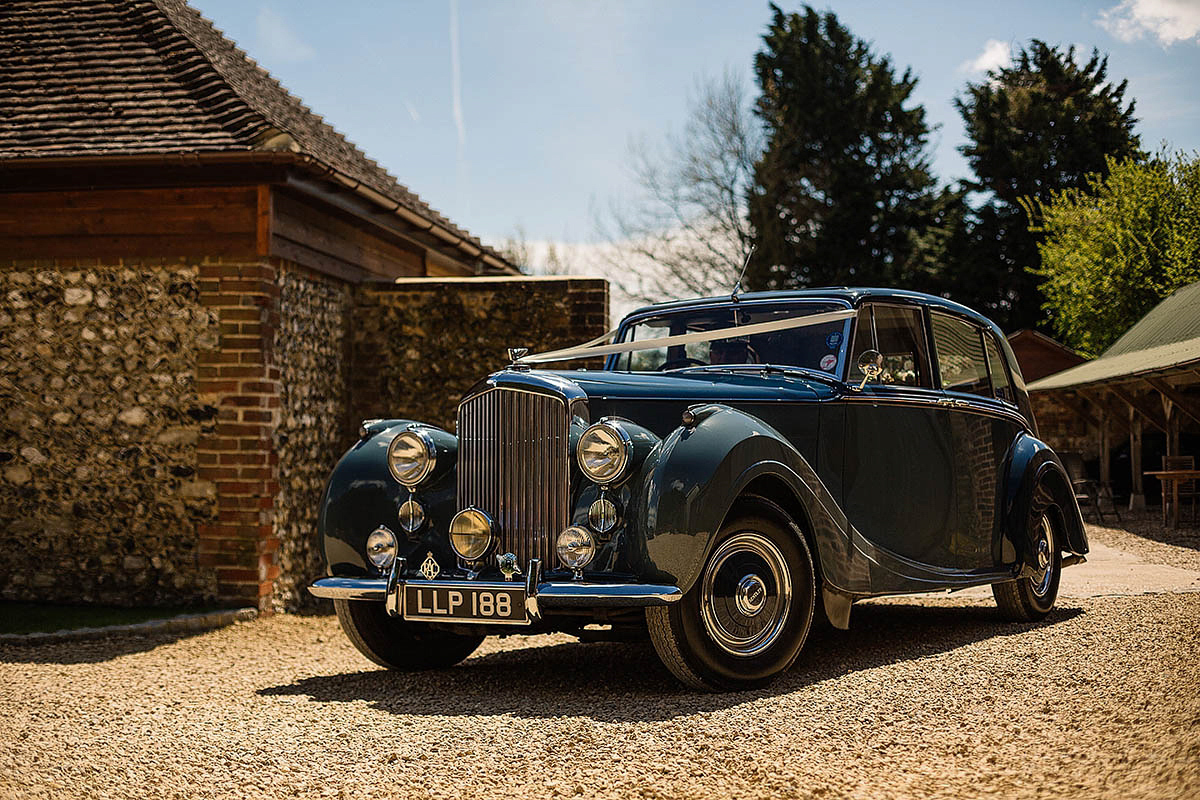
(430, 568)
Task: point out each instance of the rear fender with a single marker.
(1034, 468)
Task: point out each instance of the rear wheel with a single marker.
(1031, 598)
(393, 643)
(748, 615)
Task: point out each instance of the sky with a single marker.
(511, 115)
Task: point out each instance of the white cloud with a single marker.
(996, 54)
(1169, 21)
(277, 42)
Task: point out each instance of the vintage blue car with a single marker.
(740, 468)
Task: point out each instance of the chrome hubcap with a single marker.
(751, 595)
(1045, 558)
(746, 594)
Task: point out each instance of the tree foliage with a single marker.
(1045, 124)
(843, 190)
(1116, 247)
(686, 233)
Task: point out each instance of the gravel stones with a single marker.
(924, 697)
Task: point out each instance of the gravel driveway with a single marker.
(922, 698)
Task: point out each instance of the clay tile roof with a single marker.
(133, 77)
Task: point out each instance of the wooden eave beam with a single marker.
(1181, 401)
(1147, 411)
(371, 217)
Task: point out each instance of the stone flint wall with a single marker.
(420, 344)
(312, 351)
(167, 429)
(99, 496)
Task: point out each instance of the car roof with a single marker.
(854, 296)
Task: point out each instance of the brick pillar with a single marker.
(239, 377)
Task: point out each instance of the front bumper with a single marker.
(539, 594)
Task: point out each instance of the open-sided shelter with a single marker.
(1148, 380)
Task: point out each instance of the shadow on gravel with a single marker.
(626, 682)
(88, 651)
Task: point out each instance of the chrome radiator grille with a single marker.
(513, 464)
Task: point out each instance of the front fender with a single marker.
(1033, 464)
(689, 483)
(361, 495)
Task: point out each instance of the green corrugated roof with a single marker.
(1167, 337)
(1175, 319)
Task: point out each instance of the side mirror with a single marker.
(870, 364)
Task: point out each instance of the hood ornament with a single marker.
(515, 354)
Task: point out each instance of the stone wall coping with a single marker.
(183, 623)
(484, 279)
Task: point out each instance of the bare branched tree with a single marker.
(686, 233)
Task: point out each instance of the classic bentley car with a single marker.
(740, 469)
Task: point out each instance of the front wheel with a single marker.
(748, 615)
(393, 643)
(1031, 598)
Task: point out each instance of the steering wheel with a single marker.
(677, 363)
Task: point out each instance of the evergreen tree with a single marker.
(843, 191)
(1044, 124)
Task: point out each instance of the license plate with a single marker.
(490, 603)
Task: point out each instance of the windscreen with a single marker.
(819, 347)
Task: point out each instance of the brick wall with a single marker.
(238, 376)
(1063, 428)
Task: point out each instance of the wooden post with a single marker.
(1104, 445)
(1172, 428)
(1137, 494)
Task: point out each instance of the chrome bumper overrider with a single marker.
(539, 594)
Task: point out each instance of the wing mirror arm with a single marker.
(870, 364)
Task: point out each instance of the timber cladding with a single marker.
(123, 224)
(168, 428)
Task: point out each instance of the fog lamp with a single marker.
(602, 515)
(472, 534)
(381, 547)
(576, 547)
(412, 516)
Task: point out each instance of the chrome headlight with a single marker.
(411, 456)
(605, 452)
(472, 534)
(381, 548)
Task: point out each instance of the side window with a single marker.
(996, 367)
(960, 357)
(899, 335)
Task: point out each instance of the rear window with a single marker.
(961, 362)
(1000, 382)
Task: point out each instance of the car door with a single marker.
(984, 421)
(898, 486)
